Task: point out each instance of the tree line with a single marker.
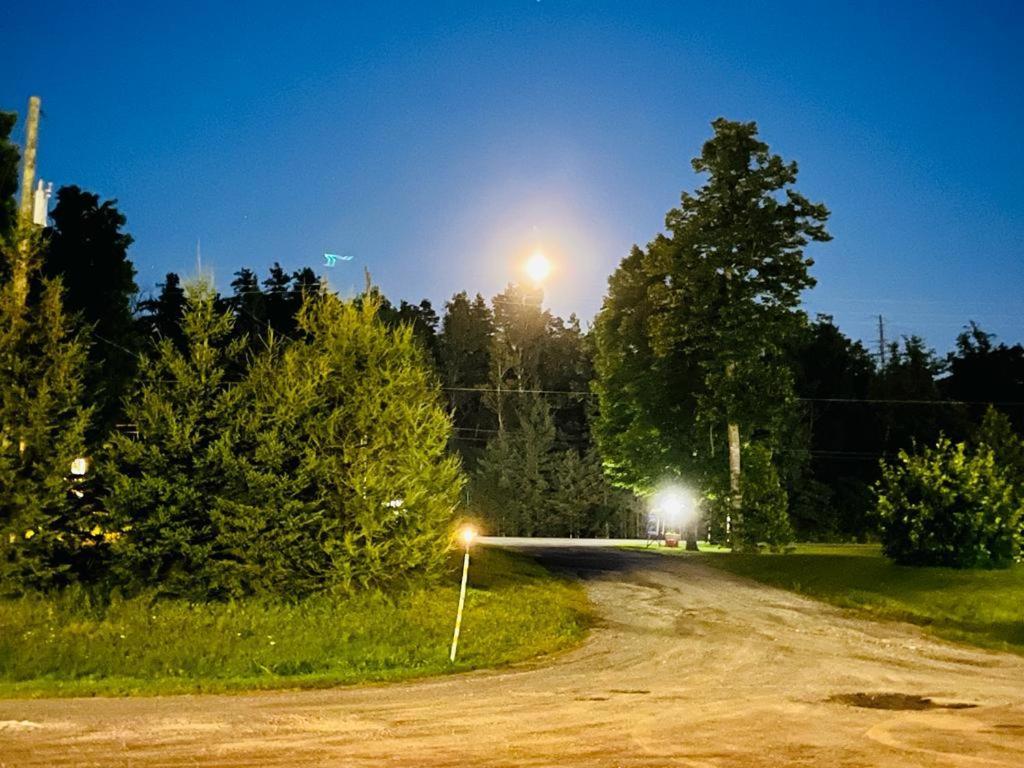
(238, 446)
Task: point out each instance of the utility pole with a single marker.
(19, 278)
(881, 341)
(28, 168)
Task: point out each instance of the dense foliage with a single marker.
(46, 534)
(280, 440)
(690, 340)
(951, 506)
(324, 466)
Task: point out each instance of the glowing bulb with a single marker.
(538, 267)
(467, 535)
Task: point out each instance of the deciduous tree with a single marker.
(717, 296)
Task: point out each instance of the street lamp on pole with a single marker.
(467, 535)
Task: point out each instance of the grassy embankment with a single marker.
(60, 646)
(980, 607)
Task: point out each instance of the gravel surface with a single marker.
(688, 666)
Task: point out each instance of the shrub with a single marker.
(948, 506)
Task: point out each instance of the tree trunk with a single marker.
(735, 492)
(691, 540)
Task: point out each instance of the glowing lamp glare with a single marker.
(538, 267)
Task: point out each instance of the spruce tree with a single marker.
(514, 476)
(47, 535)
(165, 476)
(339, 475)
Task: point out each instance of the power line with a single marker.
(897, 401)
(868, 400)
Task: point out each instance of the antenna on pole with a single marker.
(881, 341)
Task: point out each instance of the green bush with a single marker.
(952, 507)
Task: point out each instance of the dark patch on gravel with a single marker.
(894, 701)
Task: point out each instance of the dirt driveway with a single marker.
(689, 666)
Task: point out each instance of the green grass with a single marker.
(980, 607)
(61, 646)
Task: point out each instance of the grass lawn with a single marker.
(61, 646)
(984, 608)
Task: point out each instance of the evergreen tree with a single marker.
(165, 480)
(248, 304)
(47, 535)
(981, 371)
(833, 499)
(579, 496)
(337, 474)
(909, 375)
(567, 367)
(88, 250)
(423, 320)
(273, 308)
(161, 317)
(375, 455)
(464, 348)
(514, 476)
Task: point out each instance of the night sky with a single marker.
(441, 143)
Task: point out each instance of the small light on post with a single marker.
(79, 466)
(467, 535)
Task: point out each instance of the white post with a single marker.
(462, 602)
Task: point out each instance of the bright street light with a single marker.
(538, 267)
(675, 507)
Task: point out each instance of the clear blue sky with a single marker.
(439, 143)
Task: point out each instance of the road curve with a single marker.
(688, 666)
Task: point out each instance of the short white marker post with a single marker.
(467, 535)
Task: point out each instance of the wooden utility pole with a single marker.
(20, 269)
(28, 168)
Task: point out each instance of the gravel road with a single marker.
(688, 666)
